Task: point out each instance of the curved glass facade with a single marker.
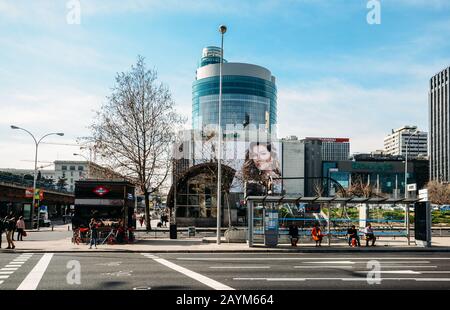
(244, 98)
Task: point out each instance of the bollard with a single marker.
(68, 228)
(52, 227)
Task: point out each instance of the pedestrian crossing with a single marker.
(13, 266)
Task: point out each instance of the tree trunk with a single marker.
(148, 219)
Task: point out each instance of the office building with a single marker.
(406, 136)
(439, 126)
(333, 149)
(249, 94)
(384, 173)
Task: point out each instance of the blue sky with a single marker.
(336, 74)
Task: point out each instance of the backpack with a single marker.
(11, 224)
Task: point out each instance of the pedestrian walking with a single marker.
(93, 226)
(20, 224)
(11, 225)
(15, 220)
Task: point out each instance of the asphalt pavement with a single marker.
(223, 271)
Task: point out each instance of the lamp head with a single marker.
(14, 127)
(222, 29)
(60, 134)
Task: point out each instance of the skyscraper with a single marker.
(249, 93)
(439, 126)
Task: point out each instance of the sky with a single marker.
(336, 74)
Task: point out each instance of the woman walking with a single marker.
(20, 225)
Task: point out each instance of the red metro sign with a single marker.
(101, 190)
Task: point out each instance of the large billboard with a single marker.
(256, 158)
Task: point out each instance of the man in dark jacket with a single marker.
(293, 233)
(11, 226)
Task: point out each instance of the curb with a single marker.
(253, 251)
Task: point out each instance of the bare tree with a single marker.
(438, 193)
(135, 129)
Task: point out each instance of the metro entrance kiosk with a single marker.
(271, 204)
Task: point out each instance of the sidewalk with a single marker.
(208, 245)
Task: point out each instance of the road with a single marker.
(215, 271)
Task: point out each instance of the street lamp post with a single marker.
(222, 30)
(406, 186)
(88, 163)
(36, 142)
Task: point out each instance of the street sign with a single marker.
(423, 195)
(412, 187)
(101, 190)
(38, 195)
(29, 193)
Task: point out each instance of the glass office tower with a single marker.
(249, 93)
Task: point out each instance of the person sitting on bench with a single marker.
(353, 234)
(293, 233)
(369, 235)
(317, 234)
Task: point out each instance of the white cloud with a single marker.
(63, 110)
(333, 108)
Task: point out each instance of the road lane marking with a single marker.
(191, 274)
(9, 269)
(332, 262)
(6, 272)
(406, 266)
(321, 267)
(305, 259)
(240, 267)
(391, 272)
(434, 272)
(4, 277)
(16, 263)
(342, 279)
(1, 282)
(34, 277)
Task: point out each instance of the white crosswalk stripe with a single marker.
(34, 277)
(191, 274)
(13, 266)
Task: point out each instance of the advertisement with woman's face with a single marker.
(261, 170)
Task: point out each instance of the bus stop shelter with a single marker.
(263, 216)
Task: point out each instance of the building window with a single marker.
(80, 168)
(64, 167)
(72, 167)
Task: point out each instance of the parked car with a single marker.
(445, 208)
(42, 223)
